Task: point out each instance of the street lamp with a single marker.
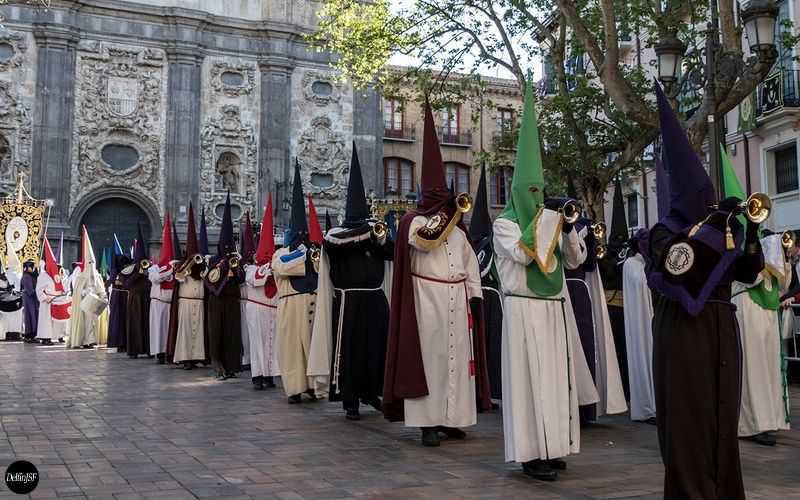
(759, 17)
(669, 51)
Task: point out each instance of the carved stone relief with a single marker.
(12, 50)
(119, 107)
(228, 154)
(321, 89)
(233, 80)
(15, 137)
(324, 163)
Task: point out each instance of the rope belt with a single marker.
(340, 324)
(469, 314)
(190, 298)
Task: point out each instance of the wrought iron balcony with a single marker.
(780, 90)
(450, 137)
(407, 133)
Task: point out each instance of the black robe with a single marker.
(30, 303)
(697, 372)
(365, 318)
(118, 307)
(224, 320)
(137, 315)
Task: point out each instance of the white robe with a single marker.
(160, 303)
(442, 319)
(763, 391)
(639, 337)
(48, 328)
(243, 324)
(12, 322)
(260, 315)
(84, 328)
(190, 340)
(541, 359)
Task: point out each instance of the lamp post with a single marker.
(758, 17)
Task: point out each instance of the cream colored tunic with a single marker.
(544, 370)
(190, 340)
(260, 315)
(442, 319)
(295, 321)
(85, 328)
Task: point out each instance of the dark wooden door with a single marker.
(114, 215)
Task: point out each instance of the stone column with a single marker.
(274, 140)
(368, 136)
(183, 128)
(53, 116)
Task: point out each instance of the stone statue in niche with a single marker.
(5, 158)
(229, 168)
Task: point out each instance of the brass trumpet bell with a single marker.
(464, 203)
(601, 251)
(314, 254)
(571, 211)
(198, 259)
(787, 239)
(379, 229)
(233, 262)
(145, 264)
(757, 207)
(598, 230)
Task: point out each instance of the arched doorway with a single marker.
(114, 216)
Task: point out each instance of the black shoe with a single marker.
(764, 439)
(557, 464)
(47, 342)
(188, 365)
(230, 375)
(258, 383)
(220, 376)
(269, 383)
(86, 346)
(430, 437)
(61, 340)
(451, 432)
(651, 421)
(352, 414)
(538, 469)
(162, 358)
(296, 399)
(374, 402)
(311, 394)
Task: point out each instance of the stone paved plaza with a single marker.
(98, 425)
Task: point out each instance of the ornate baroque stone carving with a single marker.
(228, 155)
(312, 93)
(324, 163)
(119, 100)
(247, 71)
(15, 137)
(18, 45)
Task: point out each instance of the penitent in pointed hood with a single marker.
(433, 183)
(690, 188)
(203, 235)
(248, 240)
(192, 247)
(356, 211)
(167, 254)
(314, 229)
(298, 228)
(618, 235)
(176, 243)
(139, 252)
(266, 242)
(226, 244)
(480, 226)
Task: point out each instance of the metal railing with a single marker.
(407, 133)
(779, 90)
(454, 138)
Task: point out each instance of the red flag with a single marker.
(314, 229)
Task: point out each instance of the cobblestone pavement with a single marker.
(98, 425)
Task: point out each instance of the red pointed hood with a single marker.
(266, 242)
(314, 229)
(167, 251)
(50, 262)
(192, 247)
(248, 240)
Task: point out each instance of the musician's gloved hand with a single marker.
(752, 244)
(566, 227)
(553, 204)
(730, 204)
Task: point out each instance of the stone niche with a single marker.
(120, 114)
(228, 163)
(15, 112)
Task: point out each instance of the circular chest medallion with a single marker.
(434, 222)
(214, 275)
(679, 259)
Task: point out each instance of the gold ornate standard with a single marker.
(22, 223)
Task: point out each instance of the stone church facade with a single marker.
(123, 111)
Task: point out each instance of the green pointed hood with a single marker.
(527, 185)
(527, 197)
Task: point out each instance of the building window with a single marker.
(393, 115)
(500, 186)
(398, 176)
(786, 170)
(505, 121)
(458, 176)
(632, 202)
(450, 124)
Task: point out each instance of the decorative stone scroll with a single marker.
(233, 80)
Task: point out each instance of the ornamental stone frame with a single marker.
(247, 71)
(226, 136)
(323, 153)
(18, 44)
(15, 128)
(119, 100)
(312, 77)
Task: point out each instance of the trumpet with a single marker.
(598, 230)
(571, 211)
(379, 229)
(757, 207)
(464, 203)
(787, 239)
(233, 262)
(601, 251)
(314, 253)
(145, 264)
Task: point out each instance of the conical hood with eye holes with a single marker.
(298, 228)
(357, 210)
(226, 244)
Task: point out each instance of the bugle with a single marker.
(464, 203)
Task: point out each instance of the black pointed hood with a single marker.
(328, 222)
(619, 226)
(203, 236)
(298, 229)
(176, 243)
(481, 224)
(226, 244)
(572, 192)
(356, 211)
